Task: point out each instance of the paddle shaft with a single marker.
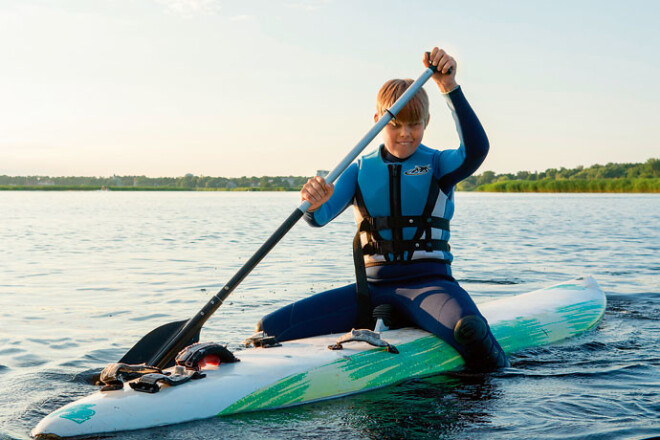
(169, 350)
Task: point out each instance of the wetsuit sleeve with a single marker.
(452, 166)
(340, 200)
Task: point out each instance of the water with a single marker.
(84, 275)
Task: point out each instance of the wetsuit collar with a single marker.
(389, 157)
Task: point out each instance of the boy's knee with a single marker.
(481, 350)
(470, 329)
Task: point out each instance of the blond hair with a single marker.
(416, 110)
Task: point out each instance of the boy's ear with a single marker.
(376, 117)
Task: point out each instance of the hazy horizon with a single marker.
(480, 171)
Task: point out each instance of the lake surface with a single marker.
(84, 275)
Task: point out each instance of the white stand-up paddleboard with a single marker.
(305, 370)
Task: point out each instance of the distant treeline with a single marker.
(188, 182)
(613, 177)
(129, 188)
(639, 185)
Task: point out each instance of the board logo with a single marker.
(418, 170)
(78, 413)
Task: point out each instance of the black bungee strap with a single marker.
(151, 383)
(384, 247)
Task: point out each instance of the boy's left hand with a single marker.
(445, 77)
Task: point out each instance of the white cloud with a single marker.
(243, 17)
(191, 8)
(308, 5)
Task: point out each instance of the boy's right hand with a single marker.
(445, 77)
(316, 191)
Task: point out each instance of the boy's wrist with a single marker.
(447, 88)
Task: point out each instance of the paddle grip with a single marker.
(435, 68)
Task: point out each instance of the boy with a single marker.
(403, 199)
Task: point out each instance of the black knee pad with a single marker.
(482, 352)
(470, 329)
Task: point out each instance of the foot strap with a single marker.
(367, 336)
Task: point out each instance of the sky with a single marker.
(251, 88)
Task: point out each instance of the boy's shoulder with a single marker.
(427, 149)
(369, 155)
(431, 151)
(437, 151)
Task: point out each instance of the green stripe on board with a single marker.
(359, 372)
(423, 357)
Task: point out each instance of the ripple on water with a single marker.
(34, 318)
(28, 360)
(11, 350)
(104, 355)
(110, 315)
(510, 281)
(49, 341)
(149, 317)
(65, 346)
(74, 363)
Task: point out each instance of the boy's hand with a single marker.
(316, 191)
(444, 77)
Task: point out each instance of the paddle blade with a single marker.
(148, 346)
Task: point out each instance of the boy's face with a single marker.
(402, 139)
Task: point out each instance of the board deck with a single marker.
(305, 370)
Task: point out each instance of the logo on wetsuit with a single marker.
(418, 170)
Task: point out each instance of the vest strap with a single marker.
(370, 224)
(363, 319)
(384, 247)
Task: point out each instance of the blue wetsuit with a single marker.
(423, 292)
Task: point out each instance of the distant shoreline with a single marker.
(134, 188)
(617, 185)
(609, 178)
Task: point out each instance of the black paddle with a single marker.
(159, 347)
